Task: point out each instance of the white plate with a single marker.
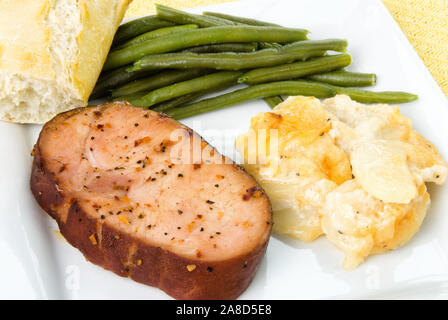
(37, 263)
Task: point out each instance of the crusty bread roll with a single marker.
(51, 54)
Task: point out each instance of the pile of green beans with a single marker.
(173, 103)
(301, 50)
(182, 40)
(168, 62)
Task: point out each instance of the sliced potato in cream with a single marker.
(353, 172)
(381, 168)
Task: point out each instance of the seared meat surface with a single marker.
(128, 189)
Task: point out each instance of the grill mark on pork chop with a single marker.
(122, 210)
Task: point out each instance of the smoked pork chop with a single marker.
(125, 189)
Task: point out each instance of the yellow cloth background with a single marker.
(424, 22)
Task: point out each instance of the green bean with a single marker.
(325, 44)
(300, 50)
(318, 90)
(207, 82)
(248, 21)
(263, 45)
(197, 37)
(182, 17)
(130, 97)
(222, 22)
(135, 27)
(268, 45)
(157, 33)
(176, 102)
(226, 21)
(115, 79)
(297, 69)
(365, 96)
(273, 101)
(298, 87)
(221, 61)
(166, 105)
(344, 78)
(203, 21)
(224, 47)
(173, 103)
(157, 81)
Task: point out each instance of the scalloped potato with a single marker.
(353, 172)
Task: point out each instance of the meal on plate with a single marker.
(353, 172)
(137, 200)
(145, 197)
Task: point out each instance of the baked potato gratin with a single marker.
(353, 172)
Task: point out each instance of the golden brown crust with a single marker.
(128, 256)
(25, 40)
(51, 54)
(109, 14)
